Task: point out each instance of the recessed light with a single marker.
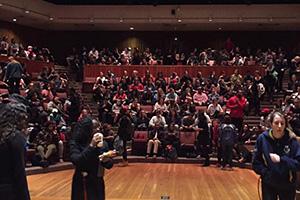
(121, 20)
(131, 28)
(51, 18)
(175, 38)
(91, 20)
(1, 4)
(179, 20)
(240, 19)
(219, 28)
(27, 11)
(14, 19)
(210, 19)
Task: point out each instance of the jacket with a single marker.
(280, 175)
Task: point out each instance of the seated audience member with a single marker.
(47, 143)
(214, 109)
(116, 108)
(120, 96)
(155, 139)
(173, 118)
(30, 55)
(142, 122)
(134, 108)
(160, 105)
(158, 121)
(200, 98)
(172, 96)
(188, 122)
(108, 135)
(104, 110)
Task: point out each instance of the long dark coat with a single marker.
(13, 183)
(85, 159)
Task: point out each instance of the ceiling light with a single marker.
(179, 20)
(131, 28)
(271, 19)
(91, 20)
(240, 19)
(210, 19)
(175, 38)
(51, 18)
(27, 11)
(1, 4)
(219, 28)
(121, 20)
(14, 19)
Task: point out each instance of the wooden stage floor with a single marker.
(150, 181)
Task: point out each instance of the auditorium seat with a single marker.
(139, 145)
(3, 91)
(147, 108)
(187, 142)
(61, 95)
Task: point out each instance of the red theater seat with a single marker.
(147, 108)
(139, 144)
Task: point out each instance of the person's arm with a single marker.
(19, 175)
(80, 158)
(259, 163)
(292, 163)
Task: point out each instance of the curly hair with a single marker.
(13, 117)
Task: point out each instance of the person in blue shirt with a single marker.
(277, 159)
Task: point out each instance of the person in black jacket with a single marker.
(13, 122)
(88, 182)
(277, 159)
(125, 132)
(13, 75)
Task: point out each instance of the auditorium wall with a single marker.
(61, 42)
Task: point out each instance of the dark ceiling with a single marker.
(169, 2)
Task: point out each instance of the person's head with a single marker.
(278, 124)
(227, 118)
(239, 93)
(297, 102)
(14, 117)
(158, 113)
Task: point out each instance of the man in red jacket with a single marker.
(237, 104)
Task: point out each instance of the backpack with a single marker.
(170, 152)
(228, 134)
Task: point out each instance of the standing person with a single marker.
(228, 137)
(203, 138)
(85, 149)
(13, 122)
(125, 132)
(277, 159)
(13, 75)
(237, 104)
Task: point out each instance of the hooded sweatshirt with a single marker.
(280, 175)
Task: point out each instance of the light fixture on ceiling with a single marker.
(175, 38)
(271, 19)
(27, 11)
(1, 4)
(121, 20)
(91, 20)
(14, 19)
(220, 28)
(240, 19)
(131, 28)
(210, 19)
(179, 20)
(51, 18)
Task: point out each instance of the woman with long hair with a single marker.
(13, 122)
(277, 159)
